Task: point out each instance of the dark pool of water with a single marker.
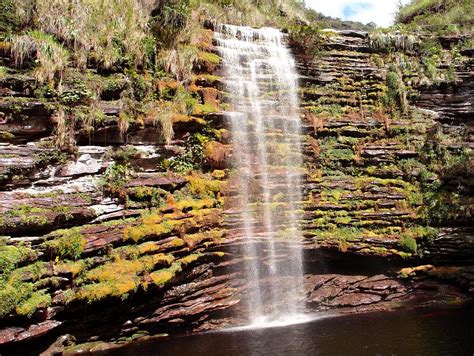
(446, 331)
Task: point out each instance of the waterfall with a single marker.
(261, 82)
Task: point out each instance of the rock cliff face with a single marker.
(377, 180)
(107, 240)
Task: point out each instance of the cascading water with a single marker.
(264, 120)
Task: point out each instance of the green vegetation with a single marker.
(118, 278)
(204, 187)
(107, 33)
(67, 243)
(15, 291)
(437, 15)
(27, 215)
(193, 157)
(392, 42)
(52, 58)
(408, 244)
(35, 301)
(115, 177)
(396, 97)
(148, 65)
(9, 22)
(11, 256)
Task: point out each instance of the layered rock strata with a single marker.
(112, 228)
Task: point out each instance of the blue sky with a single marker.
(379, 11)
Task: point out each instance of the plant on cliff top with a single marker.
(443, 16)
(107, 32)
(276, 13)
(52, 58)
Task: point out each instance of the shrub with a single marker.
(9, 22)
(408, 244)
(307, 38)
(390, 42)
(169, 18)
(179, 61)
(52, 57)
(108, 32)
(64, 130)
(395, 97)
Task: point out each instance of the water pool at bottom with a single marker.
(435, 331)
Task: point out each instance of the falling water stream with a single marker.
(264, 120)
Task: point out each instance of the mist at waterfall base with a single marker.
(267, 169)
(446, 331)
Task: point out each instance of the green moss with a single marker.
(11, 294)
(337, 154)
(209, 57)
(343, 233)
(119, 222)
(20, 297)
(189, 259)
(28, 214)
(75, 268)
(11, 256)
(163, 276)
(343, 220)
(408, 244)
(5, 135)
(149, 228)
(208, 78)
(205, 109)
(36, 301)
(327, 110)
(204, 186)
(118, 278)
(31, 272)
(67, 243)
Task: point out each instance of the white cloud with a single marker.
(379, 11)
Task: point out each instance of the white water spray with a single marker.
(261, 81)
